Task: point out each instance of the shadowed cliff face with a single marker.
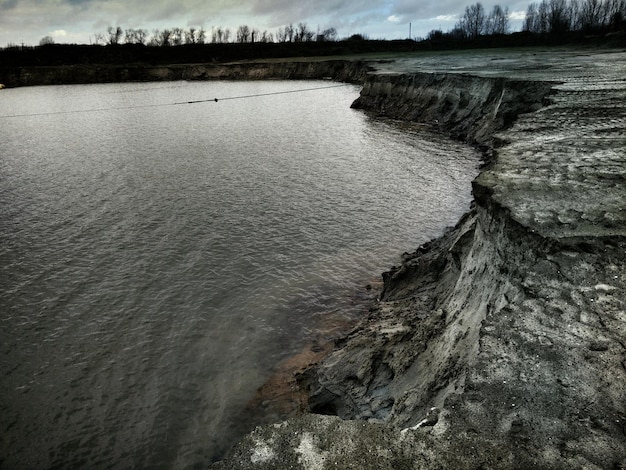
(340, 70)
(467, 107)
(501, 344)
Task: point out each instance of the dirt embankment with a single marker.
(469, 108)
(501, 344)
(307, 69)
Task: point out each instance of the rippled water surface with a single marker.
(158, 259)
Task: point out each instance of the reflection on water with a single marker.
(158, 261)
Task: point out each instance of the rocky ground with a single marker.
(501, 344)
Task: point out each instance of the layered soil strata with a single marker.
(501, 344)
(310, 69)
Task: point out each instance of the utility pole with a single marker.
(409, 30)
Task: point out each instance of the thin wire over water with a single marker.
(157, 105)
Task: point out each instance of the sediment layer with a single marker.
(501, 344)
(467, 107)
(340, 70)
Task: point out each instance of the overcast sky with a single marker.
(77, 21)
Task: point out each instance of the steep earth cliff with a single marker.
(501, 344)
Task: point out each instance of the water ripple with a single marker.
(157, 263)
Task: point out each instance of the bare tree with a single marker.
(529, 18)
(177, 36)
(598, 15)
(616, 14)
(114, 34)
(141, 36)
(575, 18)
(46, 40)
(166, 37)
(536, 20)
(243, 33)
(154, 41)
(161, 38)
(435, 34)
(303, 33)
(329, 34)
(543, 22)
(190, 36)
(559, 17)
(266, 37)
(135, 36)
(592, 15)
(201, 36)
(282, 34)
(290, 32)
(287, 33)
(498, 21)
(473, 22)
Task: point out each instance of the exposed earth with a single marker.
(501, 344)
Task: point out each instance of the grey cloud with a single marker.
(412, 9)
(168, 9)
(7, 4)
(288, 11)
(426, 10)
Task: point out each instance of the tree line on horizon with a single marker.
(547, 17)
(218, 35)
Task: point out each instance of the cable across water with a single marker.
(264, 94)
(211, 100)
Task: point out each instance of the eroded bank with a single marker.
(501, 344)
(353, 71)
